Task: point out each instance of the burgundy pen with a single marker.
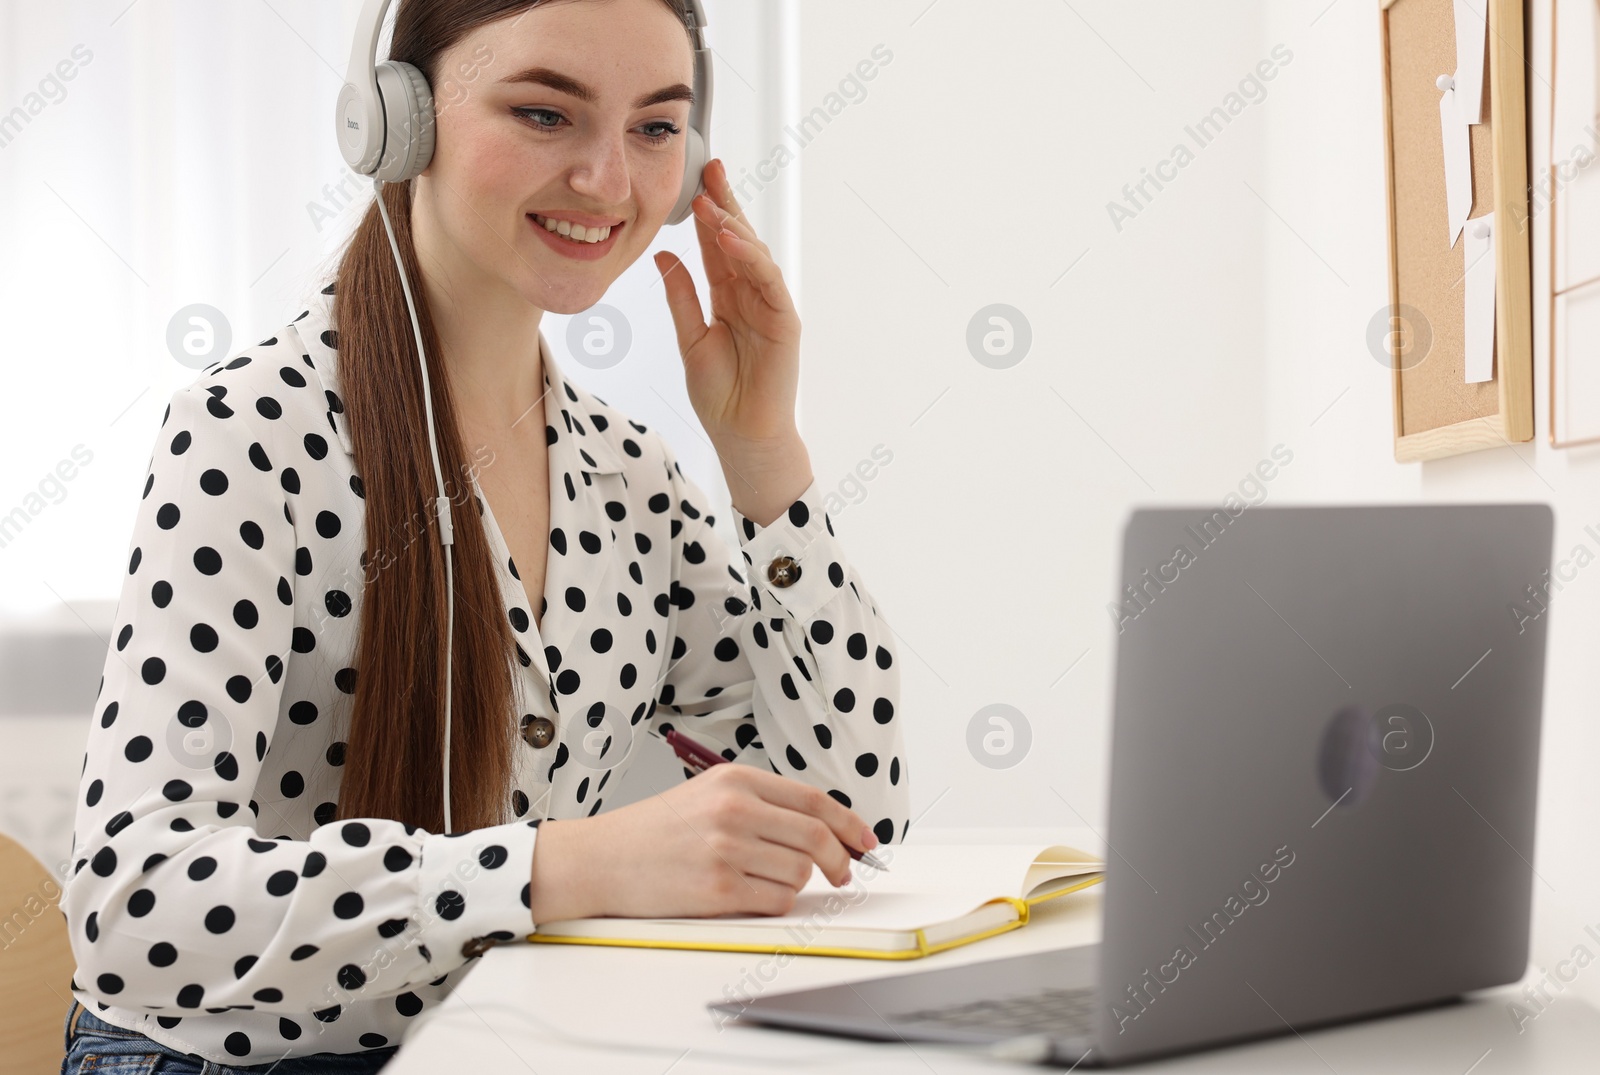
(699, 758)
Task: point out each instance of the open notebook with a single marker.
(933, 897)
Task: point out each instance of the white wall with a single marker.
(976, 170)
(1326, 169)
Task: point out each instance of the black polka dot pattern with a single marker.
(221, 909)
(218, 905)
(762, 668)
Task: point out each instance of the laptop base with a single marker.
(1036, 1006)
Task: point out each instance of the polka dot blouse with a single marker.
(215, 904)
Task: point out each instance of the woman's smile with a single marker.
(568, 235)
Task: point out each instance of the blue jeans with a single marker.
(94, 1045)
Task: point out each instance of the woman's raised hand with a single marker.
(743, 369)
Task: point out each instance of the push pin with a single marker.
(1445, 83)
(1480, 229)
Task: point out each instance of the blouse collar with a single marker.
(584, 449)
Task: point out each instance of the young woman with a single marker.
(262, 874)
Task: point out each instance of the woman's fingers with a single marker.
(707, 226)
(783, 864)
(723, 191)
(723, 217)
(808, 836)
(745, 255)
(759, 269)
(846, 825)
(688, 318)
(718, 208)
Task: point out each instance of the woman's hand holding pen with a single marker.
(699, 758)
(734, 840)
(742, 370)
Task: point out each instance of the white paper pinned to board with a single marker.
(1479, 295)
(1457, 162)
(1472, 35)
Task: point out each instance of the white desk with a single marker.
(560, 1008)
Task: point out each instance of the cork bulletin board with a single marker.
(1436, 411)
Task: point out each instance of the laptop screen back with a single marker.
(1324, 764)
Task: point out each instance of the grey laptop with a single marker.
(1323, 768)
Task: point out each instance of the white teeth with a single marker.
(575, 232)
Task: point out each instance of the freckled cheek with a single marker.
(656, 181)
(508, 167)
(493, 163)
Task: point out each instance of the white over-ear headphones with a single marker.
(385, 119)
(385, 112)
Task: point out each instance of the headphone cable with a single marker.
(441, 503)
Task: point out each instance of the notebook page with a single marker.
(1058, 862)
(926, 884)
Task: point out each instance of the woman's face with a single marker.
(569, 111)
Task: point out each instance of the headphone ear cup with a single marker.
(408, 119)
(694, 162)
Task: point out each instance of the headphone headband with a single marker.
(385, 115)
(359, 114)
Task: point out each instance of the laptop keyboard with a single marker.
(1054, 1011)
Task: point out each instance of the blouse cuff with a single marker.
(475, 889)
(795, 561)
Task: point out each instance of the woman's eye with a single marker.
(544, 119)
(531, 115)
(670, 129)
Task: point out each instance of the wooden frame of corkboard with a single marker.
(1436, 412)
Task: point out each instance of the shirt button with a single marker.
(477, 946)
(783, 571)
(537, 731)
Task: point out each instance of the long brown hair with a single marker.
(396, 738)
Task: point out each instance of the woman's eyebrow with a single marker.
(555, 80)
